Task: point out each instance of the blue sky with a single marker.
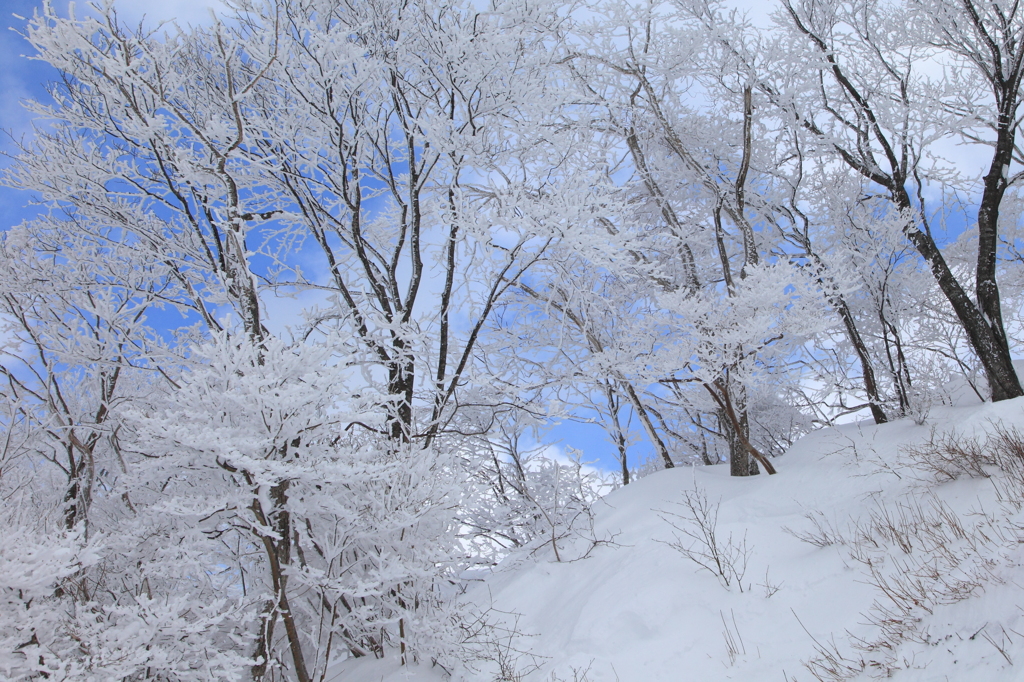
(20, 78)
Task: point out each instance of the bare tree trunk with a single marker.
(866, 368)
(720, 392)
(988, 343)
(277, 549)
(1006, 384)
(261, 651)
(617, 434)
(704, 454)
(741, 463)
(645, 419)
(838, 303)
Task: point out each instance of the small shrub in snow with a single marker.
(823, 534)
(698, 540)
(920, 407)
(1004, 641)
(950, 455)
(1007, 446)
(494, 644)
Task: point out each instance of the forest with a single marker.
(308, 283)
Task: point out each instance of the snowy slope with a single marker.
(636, 609)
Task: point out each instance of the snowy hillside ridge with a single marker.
(857, 561)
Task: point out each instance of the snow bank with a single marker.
(637, 609)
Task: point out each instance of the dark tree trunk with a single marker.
(867, 369)
(737, 429)
(278, 550)
(985, 334)
(617, 434)
(645, 419)
(982, 321)
(1003, 381)
(741, 462)
(401, 384)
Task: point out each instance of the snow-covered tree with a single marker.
(306, 464)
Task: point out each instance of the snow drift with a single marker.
(866, 556)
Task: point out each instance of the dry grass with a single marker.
(950, 455)
(920, 555)
(823, 534)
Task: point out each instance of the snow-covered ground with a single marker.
(922, 580)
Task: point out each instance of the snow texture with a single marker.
(637, 609)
